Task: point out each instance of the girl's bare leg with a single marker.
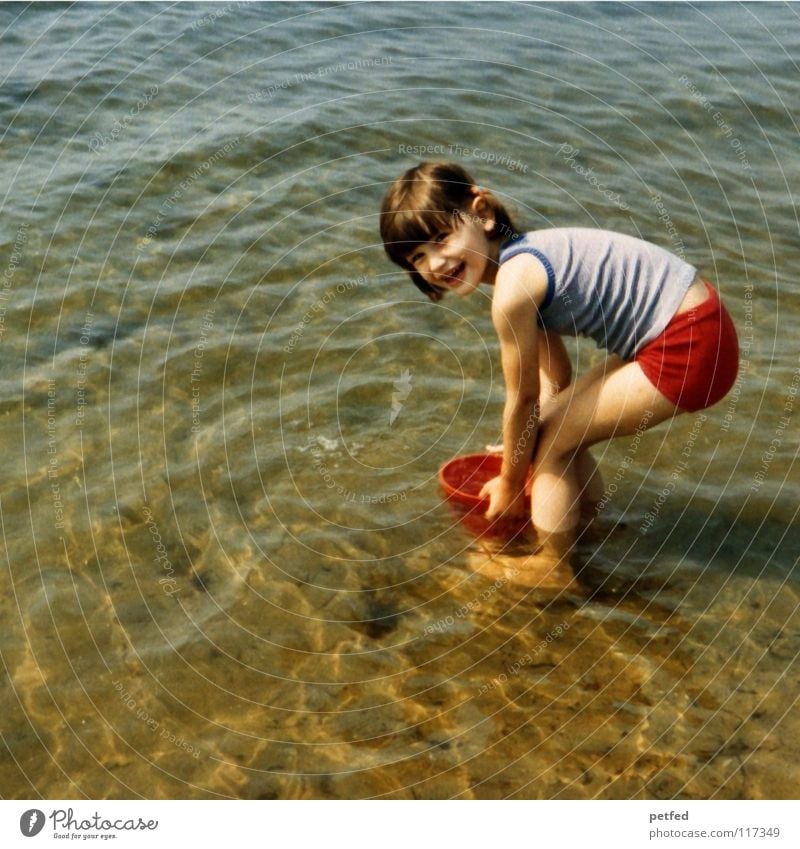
(613, 399)
(590, 482)
(548, 567)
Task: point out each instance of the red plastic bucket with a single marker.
(462, 479)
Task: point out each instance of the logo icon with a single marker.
(402, 387)
(31, 822)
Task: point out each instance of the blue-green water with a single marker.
(227, 567)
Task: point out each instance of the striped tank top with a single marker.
(616, 289)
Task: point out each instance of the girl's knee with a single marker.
(553, 442)
(548, 457)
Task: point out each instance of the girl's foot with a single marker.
(547, 568)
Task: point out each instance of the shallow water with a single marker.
(228, 569)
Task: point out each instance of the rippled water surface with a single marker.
(228, 570)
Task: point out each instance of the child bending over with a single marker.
(671, 344)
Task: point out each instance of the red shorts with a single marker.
(695, 360)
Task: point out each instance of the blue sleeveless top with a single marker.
(615, 289)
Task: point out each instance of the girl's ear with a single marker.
(481, 209)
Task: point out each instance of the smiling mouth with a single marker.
(454, 275)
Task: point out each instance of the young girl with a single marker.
(671, 344)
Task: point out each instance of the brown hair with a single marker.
(424, 202)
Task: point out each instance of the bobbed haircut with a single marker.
(428, 199)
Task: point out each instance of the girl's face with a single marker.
(458, 261)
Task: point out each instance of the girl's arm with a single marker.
(555, 373)
(520, 288)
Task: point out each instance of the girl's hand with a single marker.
(505, 501)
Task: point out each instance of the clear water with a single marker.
(228, 570)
